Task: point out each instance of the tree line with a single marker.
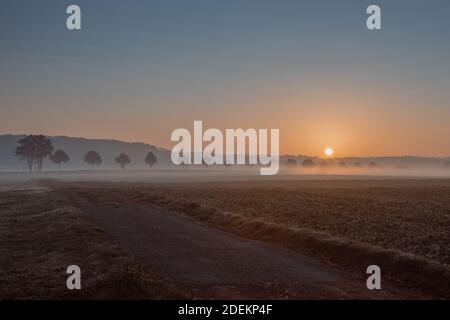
(325, 163)
(33, 149)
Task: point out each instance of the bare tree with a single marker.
(44, 149)
(33, 149)
(150, 159)
(24, 151)
(59, 157)
(93, 158)
(291, 162)
(123, 159)
(373, 165)
(308, 163)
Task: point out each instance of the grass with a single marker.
(410, 216)
(40, 237)
(403, 226)
(400, 225)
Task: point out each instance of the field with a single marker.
(403, 225)
(412, 216)
(40, 237)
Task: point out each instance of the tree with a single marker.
(291, 162)
(342, 164)
(33, 149)
(373, 165)
(59, 157)
(150, 159)
(357, 165)
(24, 151)
(44, 149)
(93, 158)
(122, 159)
(308, 163)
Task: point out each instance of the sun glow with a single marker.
(328, 152)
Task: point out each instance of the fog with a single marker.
(238, 173)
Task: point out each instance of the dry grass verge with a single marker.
(40, 237)
(406, 269)
(402, 226)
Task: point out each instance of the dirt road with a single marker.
(209, 263)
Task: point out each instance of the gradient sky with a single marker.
(139, 69)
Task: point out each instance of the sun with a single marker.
(328, 152)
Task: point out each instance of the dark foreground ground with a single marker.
(310, 236)
(41, 236)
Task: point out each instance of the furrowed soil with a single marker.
(400, 225)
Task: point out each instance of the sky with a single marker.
(140, 69)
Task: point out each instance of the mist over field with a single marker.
(291, 166)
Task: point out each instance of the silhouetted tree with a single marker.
(33, 149)
(342, 164)
(291, 162)
(59, 157)
(308, 163)
(93, 158)
(44, 149)
(357, 165)
(25, 151)
(122, 159)
(150, 159)
(373, 165)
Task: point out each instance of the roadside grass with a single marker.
(41, 237)
(406, 260)
(400, 226)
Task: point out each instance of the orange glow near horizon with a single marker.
(344, 119)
